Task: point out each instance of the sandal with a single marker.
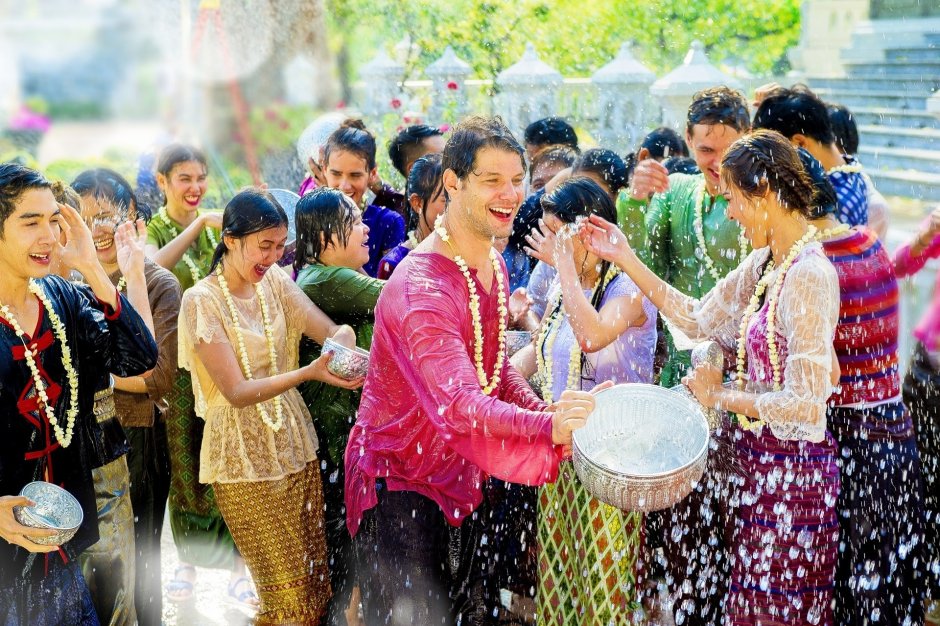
(179, 589)
(246, 598)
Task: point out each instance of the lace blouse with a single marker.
(806, 318)
(236, 445)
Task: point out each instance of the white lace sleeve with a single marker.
(807, 314)
(718, 313)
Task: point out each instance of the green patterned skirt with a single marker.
(588, 556)
(199, 531)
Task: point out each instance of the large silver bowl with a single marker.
(517, 340)
(643, 448)
(55, 509)
(348, 363)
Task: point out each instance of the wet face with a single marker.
(427, 217)
(103, 217)
(430, 145)
(349, 173)
(750, 213)
(30, 235)
(542, 173)
(489, 198)
(253, 255)
(184, 186)
(708, 144)
(580, 254)
(355, 253)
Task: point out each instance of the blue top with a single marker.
(386, 230)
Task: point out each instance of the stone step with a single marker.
(921, 53)
(887, 69)
(884, 158)
(872, 98)
(894, 137)
(912, 84)
(920, 185)
(894, 118)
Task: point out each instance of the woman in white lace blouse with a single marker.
(778, 311)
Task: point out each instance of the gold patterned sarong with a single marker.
(278, 529)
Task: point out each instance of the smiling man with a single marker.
(441, 407)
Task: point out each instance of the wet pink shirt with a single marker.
(424, 424)
(905, 264)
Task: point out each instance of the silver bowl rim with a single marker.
(695, 458)
(46, 485)
(354, 351)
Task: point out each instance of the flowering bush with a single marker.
(31, 117)
(276, 127)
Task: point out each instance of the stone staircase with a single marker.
(899, 140)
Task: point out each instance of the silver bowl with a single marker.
(55, 509)
(643, 448)
(347, 363)
(517, 340)
(288, 201)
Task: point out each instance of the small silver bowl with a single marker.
(55, 509)
(347, 363)
(517, 340)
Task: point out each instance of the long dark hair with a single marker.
(351, 136)
(426, 182)
(319, 216)
(104, 184)
(250, 211)
(607, 165)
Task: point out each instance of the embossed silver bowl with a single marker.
(55, 509)
(348, 363)
(643, 448)
(517, 340)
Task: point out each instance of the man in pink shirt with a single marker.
(441, 408)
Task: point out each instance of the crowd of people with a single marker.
(168, 358)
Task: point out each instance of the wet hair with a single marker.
(843, 128)
(607, 165)
(353, 137)
(795, 111)
(320, 215)
(177, 153)
(681, 165)
(765, 161)
(425, 181)
(825, 200)
(719, 105)
(315, 135)
(104, 184)
(250, 211)
(15, 180)
(580, 197)
(661, 138)
(554, 155)
(408, 145)
(550, 131)
(472, 135)
(66, 195)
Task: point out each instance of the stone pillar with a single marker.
(674, 91)
(528, 91)
(826, 29)
(448, 76)
(624, 105)
(381, 78)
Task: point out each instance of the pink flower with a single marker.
(341, 104)
(27, 119)
(453, 86)
(396, 103)
(406, 119)
(444, 128)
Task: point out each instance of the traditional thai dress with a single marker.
(266, 482)
(922, 396)
(425, 439)
(785, 543)
(199, 532)
(880, 507)
(589, 551)
(347, 297)
(663, 232)
(48, 589)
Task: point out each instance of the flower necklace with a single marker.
(278, 421)
(122, 283)
(829, 233)
(487, 386)
(64, 437)
(848, 168)
(698, 224)
(753, 305)
(188, 260)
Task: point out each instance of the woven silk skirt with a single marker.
(278, 528)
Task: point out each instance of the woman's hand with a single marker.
(519, 303)
(605, 240)
(131, 239)
(705, 381)
(76, 250)
(15, 533)
(649, 177)
(541, 242)
(345, 336)
(317, 370)
(571, 412)
(211, 219)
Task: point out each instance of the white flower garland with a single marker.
(188, 260)
(64, 437)
(699, 226)
(753, 305)
(278, 421)
(848, 168)
(122, 283)
(829, 233)
(493, 383)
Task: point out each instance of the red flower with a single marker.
(341, 104)
(406, 119)
(396, 103)
(453, 86)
